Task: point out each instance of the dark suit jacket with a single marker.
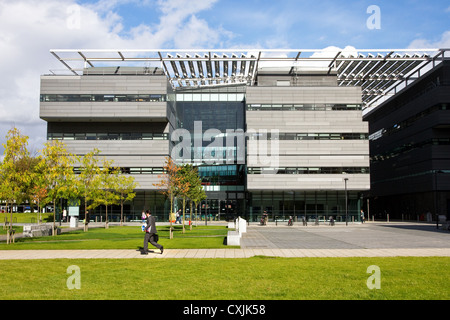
(151, 226)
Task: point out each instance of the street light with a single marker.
(346, 202)
(436, 196)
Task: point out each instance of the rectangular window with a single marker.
(283, 83)
(91, 136)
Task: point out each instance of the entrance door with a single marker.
(228, 209)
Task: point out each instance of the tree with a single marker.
(88, 184)
(125, 189)
(196, 191)
(57, 168)
(29, 166)
(184, 182)
(39, 195)
(14, 172)
(105, 194)
(168, 185)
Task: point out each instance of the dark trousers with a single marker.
(150, 237)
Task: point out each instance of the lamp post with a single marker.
(436, 196)
(346, 202)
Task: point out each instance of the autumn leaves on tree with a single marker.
(184, 182)
(50, 176)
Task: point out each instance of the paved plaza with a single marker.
(392, 235)
(355, 240)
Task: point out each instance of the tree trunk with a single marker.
(170, 217)
(184, 210)
(8, 238)
(86, 215)
(106, 218)
(121, 211)
(190, 216)
(196, 214)
(54, 217)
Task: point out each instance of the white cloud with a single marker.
(443, 42)
(30, 28)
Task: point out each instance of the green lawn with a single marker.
(23, 218)
(19, 217)
(258, 278)
(126, 237)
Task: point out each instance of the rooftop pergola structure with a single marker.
(379, 72)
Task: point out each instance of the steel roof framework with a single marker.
(379, 75)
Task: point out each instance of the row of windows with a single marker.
(103, 98)
(165, 136)
(233, 97)
(303, 107)
(126, 170)
(227, 170)
(107, 136)
(409, 147)
(434, 173)
(323, 170)
(309, 136)
(408, 122)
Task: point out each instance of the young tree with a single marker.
(88, 184)
(125, 190)
(57, 168)
(196, 191)
(15, 174)
(105, 194)
(39, 195)
(184, 182)
(168, 185)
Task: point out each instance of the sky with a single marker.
(30, 28)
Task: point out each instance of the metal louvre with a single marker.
(376, 73)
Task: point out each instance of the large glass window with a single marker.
(107, 136)
(313, 170)
(302, 107)
(103, 98)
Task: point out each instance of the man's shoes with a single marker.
(143, 252)
(162, 250)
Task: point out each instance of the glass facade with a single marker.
(280, 205)
(219, 110)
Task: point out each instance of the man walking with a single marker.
(150, 231)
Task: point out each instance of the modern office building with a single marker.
(269, 131)
(410, 150)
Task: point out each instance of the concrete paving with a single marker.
(355, 240)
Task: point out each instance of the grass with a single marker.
(126, 237)
(22, 218)
(19, 217)
(258, 278)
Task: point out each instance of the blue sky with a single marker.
(30, 28)
(298, 24)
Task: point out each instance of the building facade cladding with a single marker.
(292, 190)
(409, 141)
(133, 134)
(136, 136)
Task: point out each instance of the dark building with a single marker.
(410, 150)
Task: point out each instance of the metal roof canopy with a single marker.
(379, 75)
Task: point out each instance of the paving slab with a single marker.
(367, 240)
(221, 253)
